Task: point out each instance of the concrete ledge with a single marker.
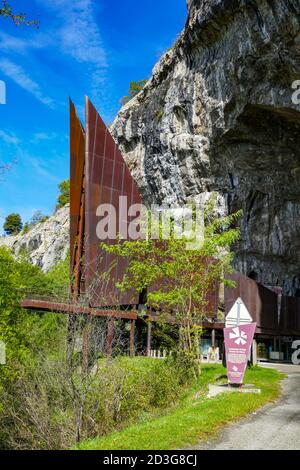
(215, 390)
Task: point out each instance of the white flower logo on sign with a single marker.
(240, 335)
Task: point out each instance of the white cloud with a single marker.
(39, 167)
(43, 136)
(72, 33)
(20, 45)
(78, 34)
(9, 138)
(18, 75)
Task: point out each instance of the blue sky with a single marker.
(83, 47)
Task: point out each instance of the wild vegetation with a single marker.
(121, 402)
(134, 88)
(181, 272)
(50, 398)
(48, 402)
(64, 194)
(196, 418)
(13, 224)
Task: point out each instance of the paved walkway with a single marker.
(274, 427)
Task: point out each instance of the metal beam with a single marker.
(56, 307)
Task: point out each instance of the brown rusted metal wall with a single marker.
(261, 302)
(290, 316)
(107, 177)
(77, 158)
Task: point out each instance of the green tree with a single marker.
(134, 88)
(17, 18)
(13, 224)
(64, 194)
(26, 228)
(180, 278)
(15, 276)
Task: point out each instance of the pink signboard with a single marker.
(238, 341)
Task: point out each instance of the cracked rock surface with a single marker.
(217, 116)
(46, 243)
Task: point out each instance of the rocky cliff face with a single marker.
(47, 243)
(217, 116)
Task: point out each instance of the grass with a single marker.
(195, 417)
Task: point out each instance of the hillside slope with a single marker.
(46, 243)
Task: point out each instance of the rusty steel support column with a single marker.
(213, 338)
(110, 336)
(132, 334)
(149, 338)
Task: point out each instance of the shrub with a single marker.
(51, 406)
(64, 194)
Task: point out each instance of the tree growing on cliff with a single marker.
(18, 18)
(64, 194)
(134, 88)
(13, 224)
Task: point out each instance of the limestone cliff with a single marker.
(217, 116)
(46, 243)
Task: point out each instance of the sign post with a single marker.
(238, 335)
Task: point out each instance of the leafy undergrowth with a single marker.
(195, 417)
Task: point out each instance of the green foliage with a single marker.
(195, 419)
(26, 228)
(64, 194)
(13, 224)
(134, 88)
(58, 278)
(182, 277)
(46, 403)
(159, 115)
(42, 407)
(165, 336)
(17, 18)
(23, 332)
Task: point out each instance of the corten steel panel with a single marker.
(211, 308)
(77, 158)
(107, 177)
(290, 316)
(261, 302)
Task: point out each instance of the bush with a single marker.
(134, 88)
(64, 194)
(51, 406)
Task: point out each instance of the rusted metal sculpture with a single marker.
(107, 178)
(77, 201)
